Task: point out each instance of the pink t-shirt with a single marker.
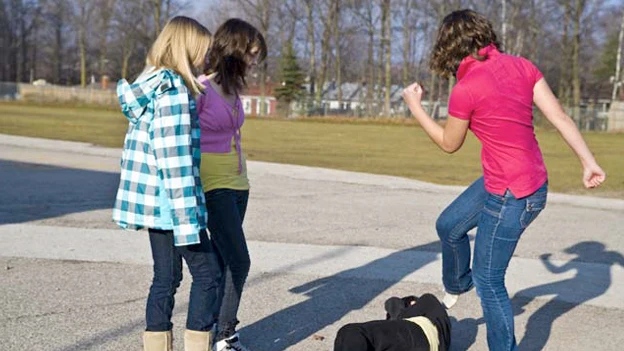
(496, 96)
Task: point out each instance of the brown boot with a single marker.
(197, 340)
(157, 341)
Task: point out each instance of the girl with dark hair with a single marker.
(237, 47)
(494, 98)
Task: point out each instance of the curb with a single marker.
(313, 173)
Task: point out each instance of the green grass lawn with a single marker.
(390, 148)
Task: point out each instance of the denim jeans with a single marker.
(500, 221)
(226, 212)
(205, 269)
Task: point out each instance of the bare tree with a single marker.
(576, 68)
(57, 18)
(264, 28)
(5, 41)
(260, 12)
(533, 29)
(381, 53)
(365, 12)
(327, 18)
(504, 23)
(438, 13)
(563, 91)
(83, 19)
(337, 35)
(289, 12)
(617, 79)
(133, 33)
(106, 12)
(387, 47)
(157, 16)
(408, 31)
(309, 4)
(67, 40)
(19, 22)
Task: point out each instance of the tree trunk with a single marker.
(312, 40)
(21, 58)
(432, 90)
(260, 10)
(167, 10)
(325, 40)
(451, 84)
(387, 45)
(107, 13)
(436, 80)
(380, 65)
(564, 66)
(125, 61)
(504, 24)
(336, 33)
(519, 45)
(576, 69)
(33, 52)
(5, 34)
(439, 95)
(370, 68)
(157, 16)
(58, 50)
(617, 80)
(83, 62)
(82, 41)
(407, 43)
(533, 30)
(264, 70)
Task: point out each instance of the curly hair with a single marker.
(462, 33)
(233, 41)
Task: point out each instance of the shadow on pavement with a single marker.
(33, 192)
(331, 298)
(568, 294)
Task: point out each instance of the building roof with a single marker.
(253, 89)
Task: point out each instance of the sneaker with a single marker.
(230, 344)
(450, 300)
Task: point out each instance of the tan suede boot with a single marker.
(158, 341)
(198, 340)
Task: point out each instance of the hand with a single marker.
(413, 94)
(593, 176)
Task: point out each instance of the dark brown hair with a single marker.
(462, 33)
(231, 43)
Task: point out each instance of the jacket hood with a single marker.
(135, 97)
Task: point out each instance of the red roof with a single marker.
(253, 89)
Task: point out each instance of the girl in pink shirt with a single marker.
(494, 98)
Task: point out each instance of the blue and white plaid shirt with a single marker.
(160, 186)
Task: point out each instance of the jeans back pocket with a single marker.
(534, 205)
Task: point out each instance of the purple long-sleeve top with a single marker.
(220, 122)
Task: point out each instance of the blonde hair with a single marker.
(182, 47)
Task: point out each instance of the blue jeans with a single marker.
(500, 221)
(205, 269)
(226, 213)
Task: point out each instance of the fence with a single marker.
(8, 91)
(598, 117)
(616, 116)
(52, 94)
(56, 94)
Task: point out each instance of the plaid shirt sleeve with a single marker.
(173, 149)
